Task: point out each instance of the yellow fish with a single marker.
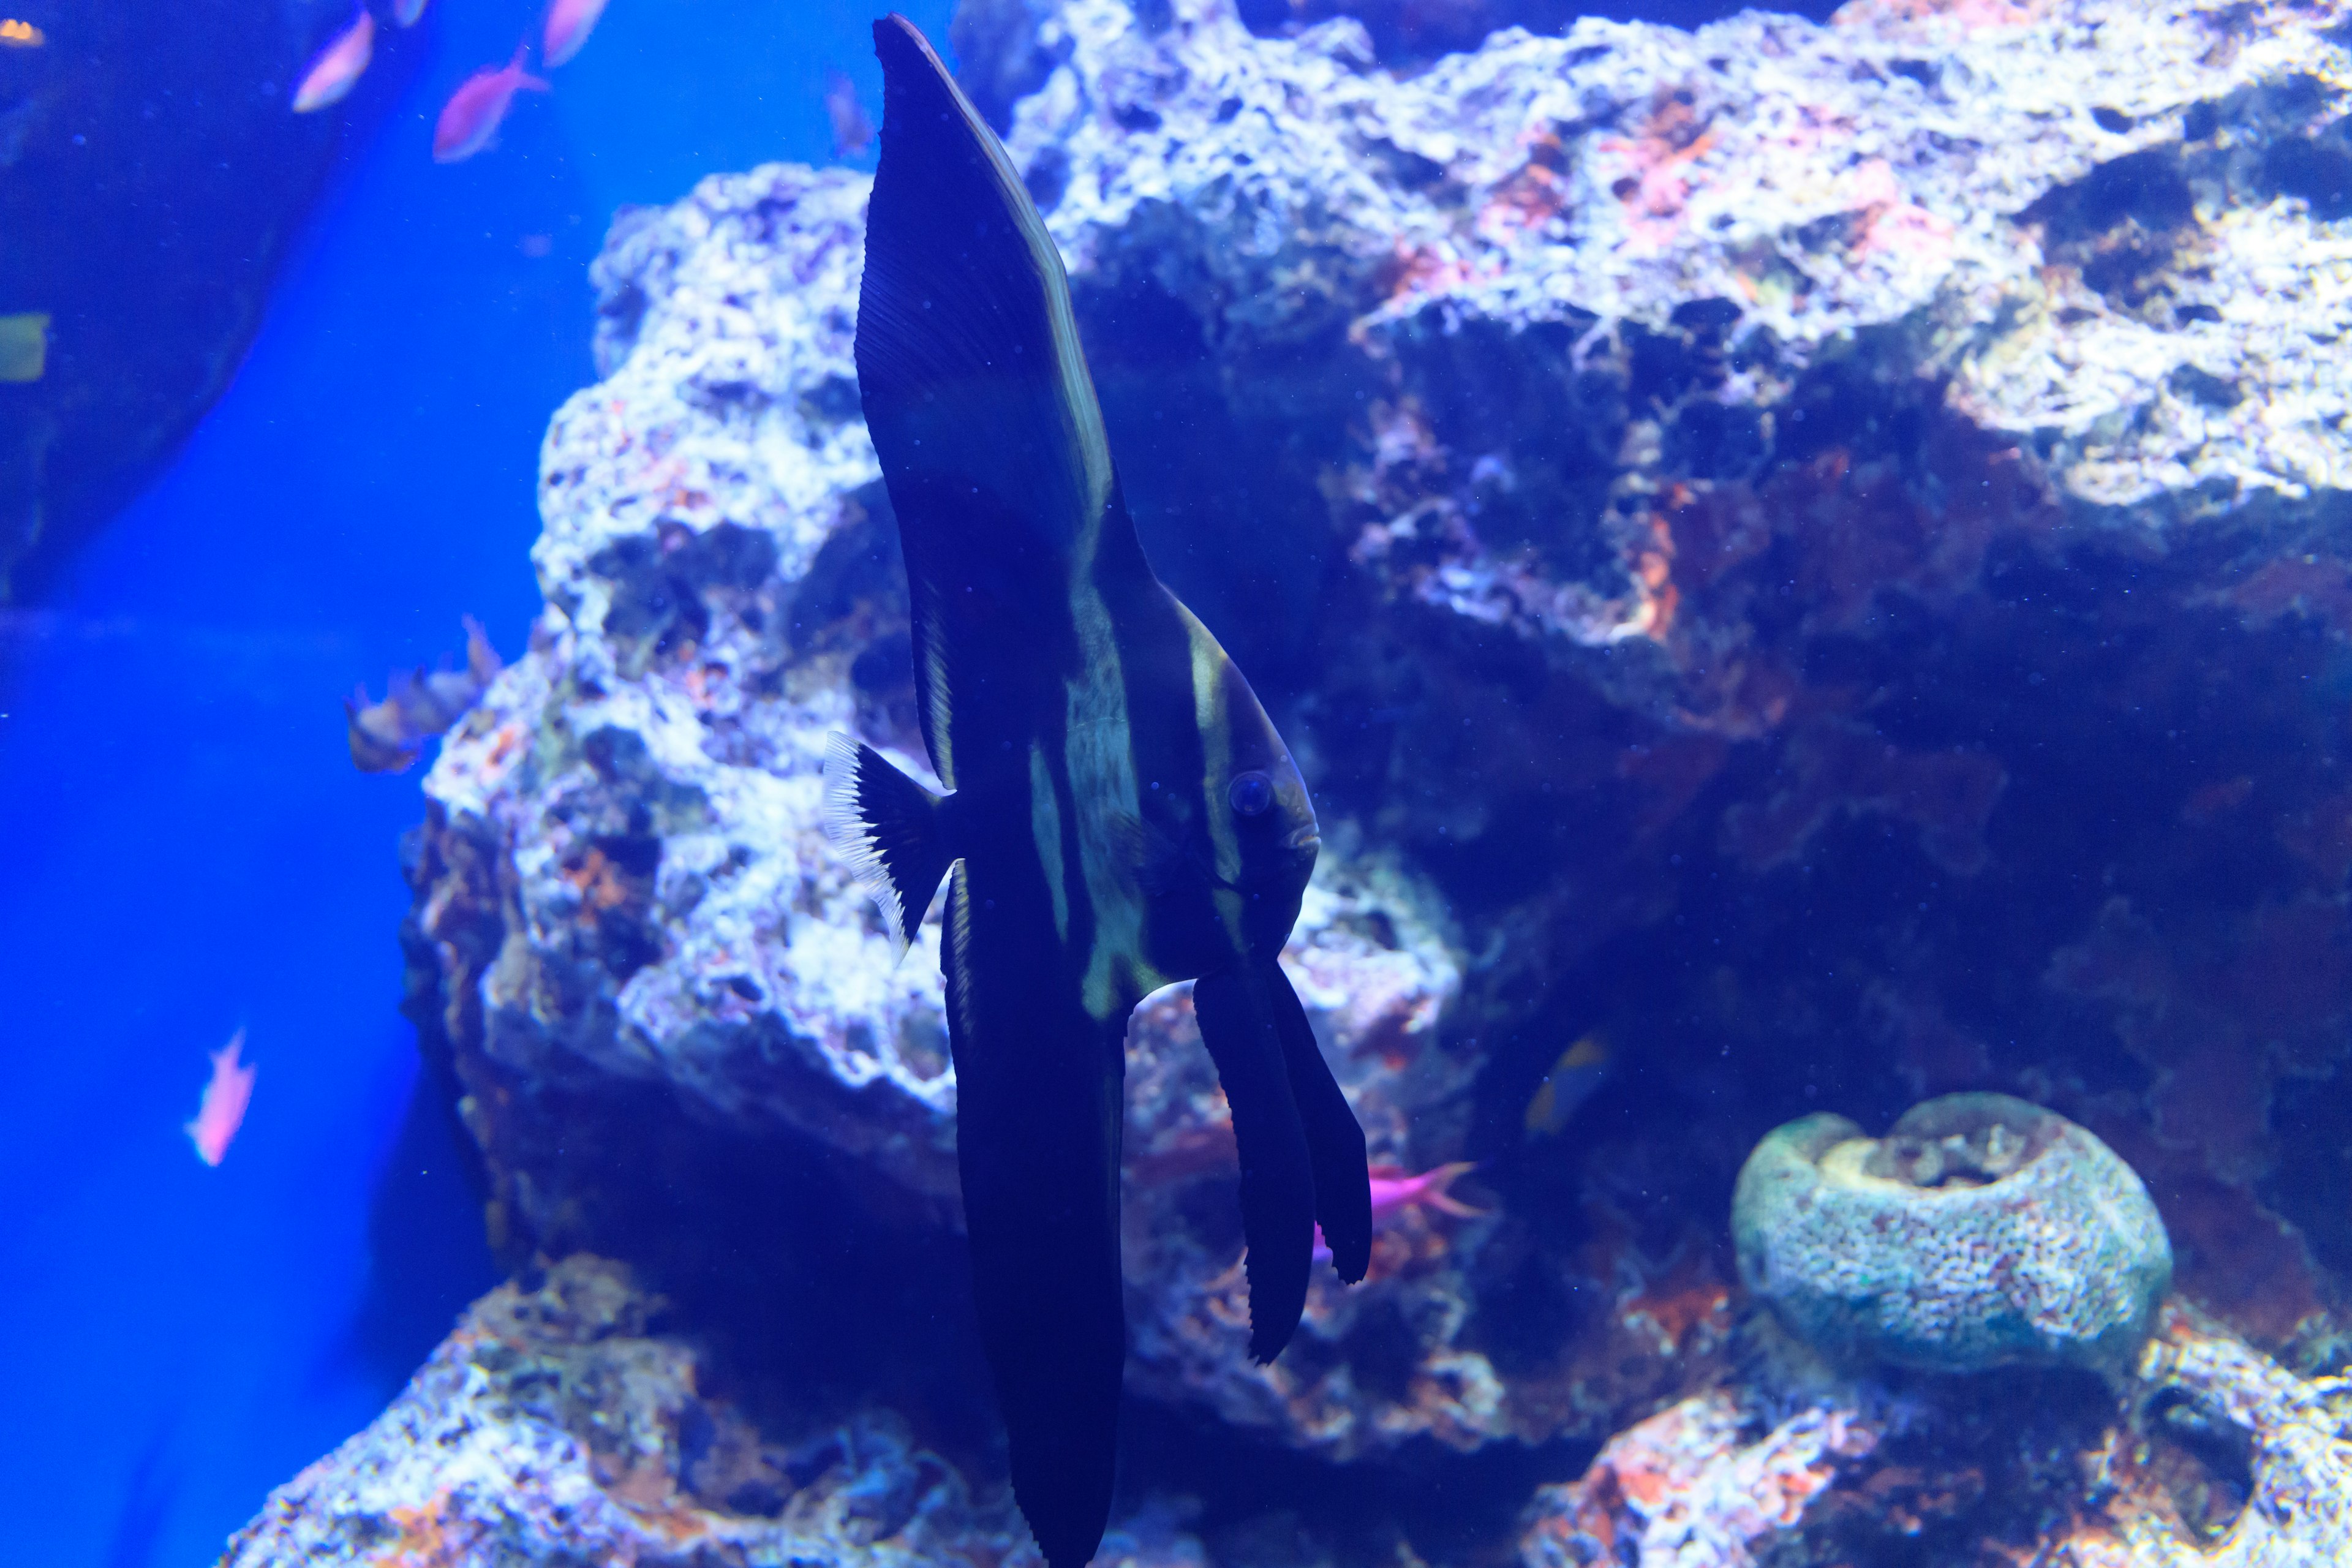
(18, 35)
(24, 345)
(1579, 1074)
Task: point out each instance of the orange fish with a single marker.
(569, 23)
(339, 65)
(387, 736)
(19, 34)
(223, 1109)
(469, 121)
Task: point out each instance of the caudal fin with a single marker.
(886, 828)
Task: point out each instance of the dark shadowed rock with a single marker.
(152, 178)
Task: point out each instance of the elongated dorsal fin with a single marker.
(968, 355)
(975, 389)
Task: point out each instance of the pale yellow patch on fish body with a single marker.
(1213, 717)
(24, 346)
(1046, 827)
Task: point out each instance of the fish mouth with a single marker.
(1303, 838)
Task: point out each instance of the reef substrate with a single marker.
(1816, 555)
(559, 1424)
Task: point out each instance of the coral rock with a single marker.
(2299, 1438)
(2214, 1456)
(1706, 1483)
(627, 899)
(1729, 519)
(557, 1426)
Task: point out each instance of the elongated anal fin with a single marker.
(886, 828)
(1238, 1025)
(1335, 1140)
(1039, 1095)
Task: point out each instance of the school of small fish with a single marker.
(468, 122)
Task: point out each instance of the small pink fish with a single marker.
(407, 12)
(1393, 1192)
(569, 23)
(469, 121)
(223, 1109)
(339, 65)
(852, 131)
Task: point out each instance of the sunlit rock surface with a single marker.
(1814, 554)
(564, 1423)
(2107, 235)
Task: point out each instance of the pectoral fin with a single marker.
(1335, 1140)
(1239, 1024)
(887, 827)
(1038, 1119)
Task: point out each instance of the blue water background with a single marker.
(190, 850)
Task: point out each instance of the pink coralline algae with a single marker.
(1964, 14)
(1706, 1483)
(1657, 165)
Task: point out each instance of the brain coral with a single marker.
(1980, 1230)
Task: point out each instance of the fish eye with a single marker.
(1250, 793)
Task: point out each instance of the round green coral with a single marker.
(1980, 1230)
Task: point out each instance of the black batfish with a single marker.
(1121, 813)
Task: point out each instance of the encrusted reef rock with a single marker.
(561, 1423)
(1980, 1230)
(1792, 498)
(2215, 1456)
(2286, 1448)
(1813, 554)
(628, 895)
(1636, 269)
(1709, 1481)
